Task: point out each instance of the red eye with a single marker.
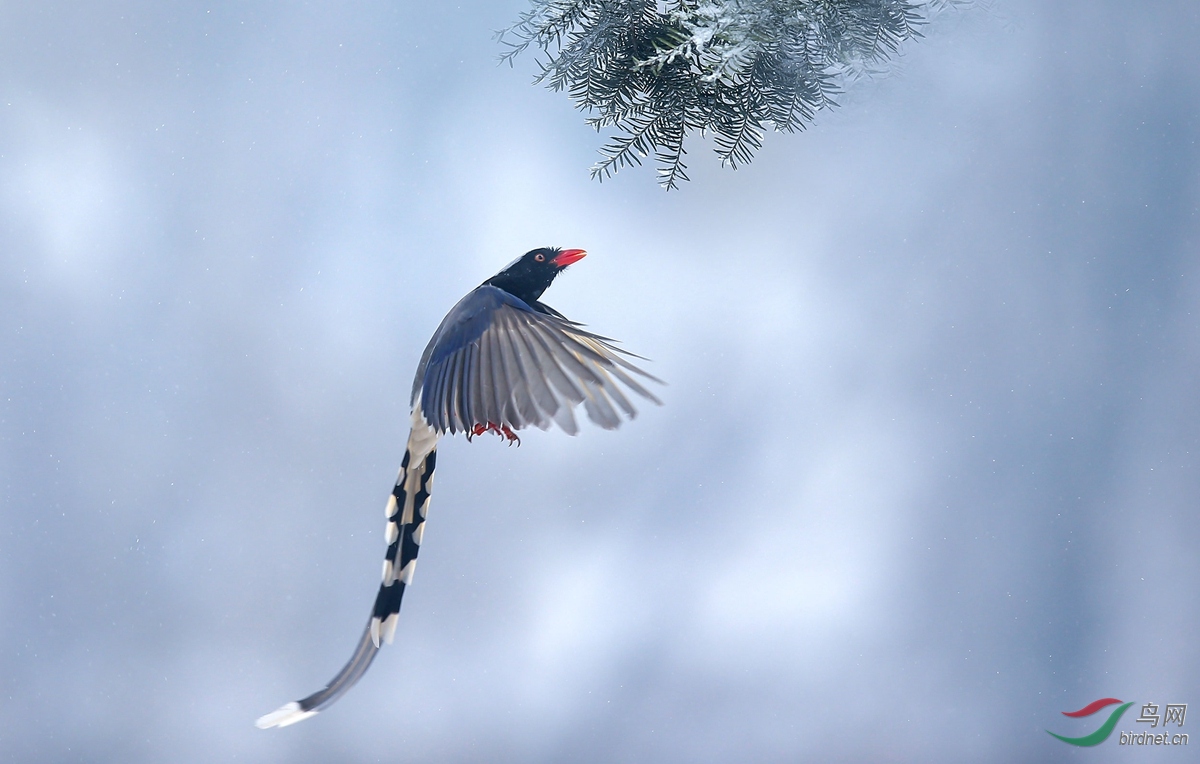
(539, 258)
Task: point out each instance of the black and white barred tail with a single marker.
(405, 528)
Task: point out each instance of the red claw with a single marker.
(502, 430)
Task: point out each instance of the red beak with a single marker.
(568, 256)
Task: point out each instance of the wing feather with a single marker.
(509, 379)
(461, 389)
(432, 399)
(475, 392)
(613, 391)
(534, 372)
(495, 360)
(563, 350)
(527, 412)
(447, 392)
(489, 406)
(549, 363)
(501, 400)
(633, 385)
(599, 410)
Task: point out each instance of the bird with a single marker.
(500, 361)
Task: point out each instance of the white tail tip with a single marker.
(289, 714)
(388, 629)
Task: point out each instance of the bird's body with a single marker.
(499, 361)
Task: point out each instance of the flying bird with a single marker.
(501, 360)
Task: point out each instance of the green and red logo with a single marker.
(1101, 734)
(1152, 734)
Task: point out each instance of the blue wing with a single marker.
(496, 360)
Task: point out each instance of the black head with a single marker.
(530, 275)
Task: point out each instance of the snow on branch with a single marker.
(657, 70)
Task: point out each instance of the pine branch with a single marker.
(732, 68)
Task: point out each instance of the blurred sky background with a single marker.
(926, 476)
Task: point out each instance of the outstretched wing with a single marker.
(495, 360)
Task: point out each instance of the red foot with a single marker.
(501, 430)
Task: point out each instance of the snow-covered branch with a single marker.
(657, 70)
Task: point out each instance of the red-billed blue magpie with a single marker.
(500, 361)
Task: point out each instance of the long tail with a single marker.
(405, 512)
(405, 528)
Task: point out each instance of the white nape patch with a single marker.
(418, 534)
(390, 510)
(387, 572)
(406, 573)
(289, 714)
(390, 533)
(389, 627)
